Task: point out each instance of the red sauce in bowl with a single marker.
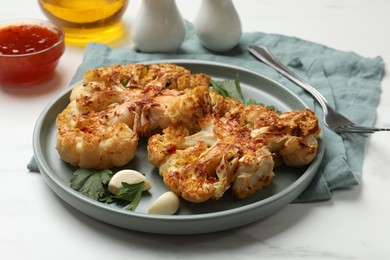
(29, 52)
(24, 39)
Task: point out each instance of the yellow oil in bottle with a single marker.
(87, 20)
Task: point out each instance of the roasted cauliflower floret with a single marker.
(254, 172)
(118, 75)
(155, 75)
(203, 166)
(196, 167)
(93, 142)
(292, 135)
(227, 109)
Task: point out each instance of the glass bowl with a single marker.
(30, 50)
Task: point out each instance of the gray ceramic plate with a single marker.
(192, 218)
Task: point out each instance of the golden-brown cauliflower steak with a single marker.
(115, 105)
(209, 143)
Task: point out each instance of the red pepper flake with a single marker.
(171, 149)
(86, 130)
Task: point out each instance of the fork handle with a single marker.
(361, 129)
(262, 53)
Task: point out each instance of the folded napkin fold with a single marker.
(350, 82)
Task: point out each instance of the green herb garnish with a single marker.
(232, 88)
(229, 88)
(131, 193)
(93, 184)
(90, 182)
(125, 82)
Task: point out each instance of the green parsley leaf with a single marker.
(90, 182)
(131, 193)
(254, 102)
(232, 88)
(106, 198)
(229, 88)
(80, 176)
(93, 187)
(125, 82)
(105, 176)
(134, 203)
(93, 184)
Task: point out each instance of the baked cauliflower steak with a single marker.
(202, 166)
(101, 125)
(202, 143)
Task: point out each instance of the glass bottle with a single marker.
(87, 20)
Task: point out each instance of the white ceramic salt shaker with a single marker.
(158, 26)
(218, 25)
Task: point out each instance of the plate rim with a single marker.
(54, 183)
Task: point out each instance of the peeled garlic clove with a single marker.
(127, 176)
(166, 204)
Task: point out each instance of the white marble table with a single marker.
(36, 224)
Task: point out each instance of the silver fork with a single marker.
(333, 120)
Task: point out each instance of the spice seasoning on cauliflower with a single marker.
(209, 143)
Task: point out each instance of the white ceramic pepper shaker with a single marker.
(158, 26)
(218, 25)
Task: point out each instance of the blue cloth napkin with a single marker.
(350, 82)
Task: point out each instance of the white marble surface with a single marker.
(36, 224)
